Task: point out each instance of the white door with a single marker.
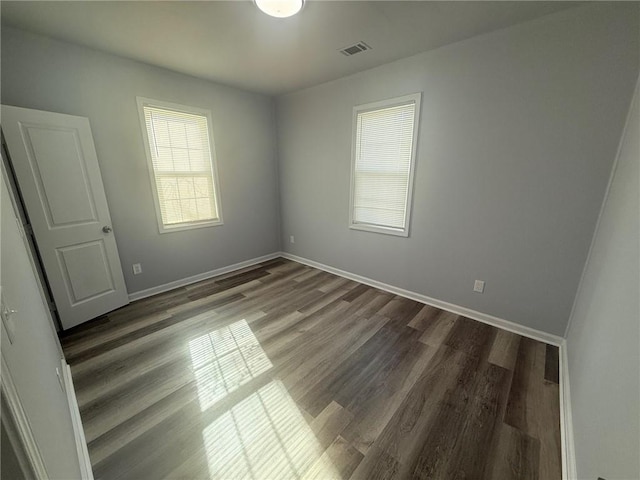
(56, 166)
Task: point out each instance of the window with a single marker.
(179, 147)
(383, 158)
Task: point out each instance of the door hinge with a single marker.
(29, 229)
(52, 306)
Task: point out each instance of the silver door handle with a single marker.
(106, 229)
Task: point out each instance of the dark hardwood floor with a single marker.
(283, 371)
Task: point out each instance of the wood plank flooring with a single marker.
(282, 371)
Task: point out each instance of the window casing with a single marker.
(182, 165)
(384, 144)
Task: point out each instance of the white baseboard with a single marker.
(450, 307)
(566, 426)
(201, 276)
(78, 431)
(569, 470)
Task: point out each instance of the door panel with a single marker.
(56, 166)
(86, 271)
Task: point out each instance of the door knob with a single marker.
(106, 229)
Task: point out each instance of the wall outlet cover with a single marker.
(478, 286)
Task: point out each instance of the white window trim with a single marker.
(142, 102)
(392, 102)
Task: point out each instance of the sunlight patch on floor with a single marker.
(225, 359)
(263, 437)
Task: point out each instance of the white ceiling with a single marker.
(232, 42)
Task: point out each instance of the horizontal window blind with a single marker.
(182, 165)
(382, 166)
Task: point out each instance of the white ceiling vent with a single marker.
(353, 49)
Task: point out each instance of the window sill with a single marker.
(189, 226)
(378, 229)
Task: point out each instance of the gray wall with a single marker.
(518, 134)
(603, 342)
(49, 75)
(35, 353)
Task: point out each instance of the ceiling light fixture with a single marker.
(280, 8)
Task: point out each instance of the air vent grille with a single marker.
(353, 49)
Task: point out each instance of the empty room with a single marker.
(307, 239)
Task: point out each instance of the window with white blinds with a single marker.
(384, 143)
(181, 164)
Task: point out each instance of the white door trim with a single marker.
(21, 420)
(81, 443)
(569, 468)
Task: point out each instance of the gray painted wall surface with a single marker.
(603, 343)
(518, 133)
(44, 74)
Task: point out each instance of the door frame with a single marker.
(21, 435)
(18, 429)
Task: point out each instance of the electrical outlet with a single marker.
(292, 239)
(478, 286)
(137, 268)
